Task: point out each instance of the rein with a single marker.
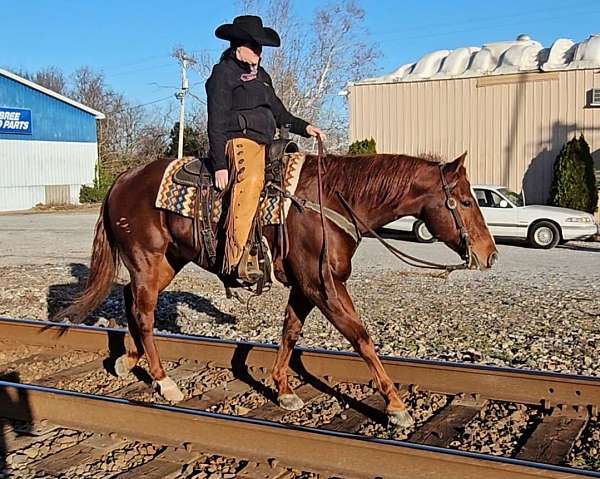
(324, 266)
(402, 256)
(450, 203)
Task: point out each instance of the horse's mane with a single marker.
(376, 179)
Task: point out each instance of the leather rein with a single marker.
(450, 203)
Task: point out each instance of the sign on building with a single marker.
(15, 121)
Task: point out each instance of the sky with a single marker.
(131, 41)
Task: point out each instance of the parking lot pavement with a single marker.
(573, 261)
(62, 238)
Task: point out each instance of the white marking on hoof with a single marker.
(401, 418)
(169, 390)
(122, 368)
(290, 402)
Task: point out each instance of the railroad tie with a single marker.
(21, 437)
(273, 412)
(554, 437)
(217, 395)
(86, 451)
(445, 426)
(54, 379)
(178, 373)
(8, 370)
(264, 471)
(167, 465)
(372, 407)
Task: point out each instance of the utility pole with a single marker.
(184, 61)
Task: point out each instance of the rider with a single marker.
(243, 113)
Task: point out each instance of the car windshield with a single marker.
(515, 198)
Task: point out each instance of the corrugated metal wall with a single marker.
(51, 164)
(28, 168)
(28, 163)
(21, 198)
(512, 126)
(51, 119)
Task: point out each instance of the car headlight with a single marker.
(579, 219)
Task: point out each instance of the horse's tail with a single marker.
(104, 266)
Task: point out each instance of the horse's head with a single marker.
(452, 215)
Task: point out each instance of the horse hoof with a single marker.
(400, 419)
(122, 368)
(290, 402)
(169, 390)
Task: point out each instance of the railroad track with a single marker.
(57, 375)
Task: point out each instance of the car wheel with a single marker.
(544, 235)
(422, 233)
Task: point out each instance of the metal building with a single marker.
(511, 105)
(48, 145)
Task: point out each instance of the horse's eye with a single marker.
(467, 203)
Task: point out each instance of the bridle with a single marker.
(452, 205)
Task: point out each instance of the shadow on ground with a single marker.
(17, 406)
(61, 295)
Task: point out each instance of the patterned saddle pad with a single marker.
(174, 197)
(181, 199)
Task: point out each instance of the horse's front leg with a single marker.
(297, 310)
(341, 313)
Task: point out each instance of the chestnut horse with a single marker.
(155, 245)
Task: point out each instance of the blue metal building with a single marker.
(48, 145)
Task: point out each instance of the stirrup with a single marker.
(249, 268)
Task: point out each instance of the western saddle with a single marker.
(207, 232)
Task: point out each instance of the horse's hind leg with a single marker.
(145, 285)
(128, 361)
(297, 310)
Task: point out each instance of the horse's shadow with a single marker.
(61, 295)
(16, 407)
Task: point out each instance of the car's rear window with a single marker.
(515, 198)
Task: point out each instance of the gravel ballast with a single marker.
(547, 323)
(537, 310)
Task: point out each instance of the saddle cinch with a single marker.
(208, 227)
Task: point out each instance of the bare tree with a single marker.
(316, 59)
(130, 135)
(52, 78)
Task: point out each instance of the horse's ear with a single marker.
(453, 167)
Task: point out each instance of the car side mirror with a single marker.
(503, 204)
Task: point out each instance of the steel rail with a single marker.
(317, 450)
(502, 384)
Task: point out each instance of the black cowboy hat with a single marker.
(248, 28)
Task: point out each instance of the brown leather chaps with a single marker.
(247, 167)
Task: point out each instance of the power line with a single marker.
(135, 62)
(141, 105)
(143, 69)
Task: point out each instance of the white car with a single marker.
(507, 216)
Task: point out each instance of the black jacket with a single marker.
(246, 109)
